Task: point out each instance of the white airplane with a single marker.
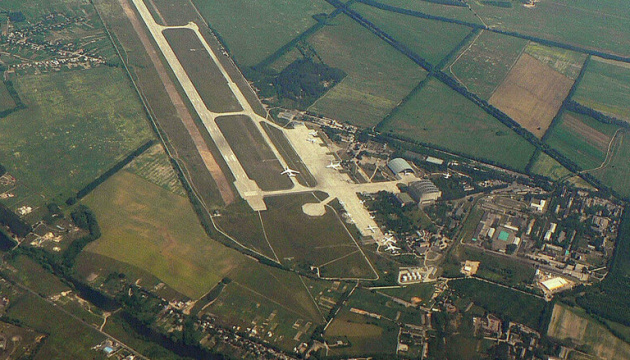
(361, 202)
(332, 165)
(447, 175)
(311, 140)
(289, 172)
(392, 248)
(313, 133)
(371, 228)
(389, 240)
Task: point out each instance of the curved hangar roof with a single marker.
(399, 165)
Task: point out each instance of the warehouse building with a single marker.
(424, 191)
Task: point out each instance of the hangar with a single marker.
(400, 166)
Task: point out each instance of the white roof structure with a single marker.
(554, 284)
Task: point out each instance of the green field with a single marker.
(616, 172)
(33, 9)
(545, 165)
(566, 62)
(6, 101)
(379, 77)
(76, 125)
(253, 30)
(505, 303)
(574, 324)
(366, 335)
(153, 165)
(253, 152)
(422, 291)
(438, 115)
(34, 312)
(483, 65)
(582, 139)
(600, 25)
(606, 88)
(303, 240)
(497, 268)
(430, 39)
(157, 231)
(454, 12)
(33, 276)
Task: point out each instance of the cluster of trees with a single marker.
(13, 222)
(392, 214)
(305, 80)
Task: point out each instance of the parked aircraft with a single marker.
(333, 165)
(392, 248)
(290, 172)
(311, 140)
(372, 228)
(313, 133)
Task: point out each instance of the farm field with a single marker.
(483, 65)
(411, 293)
(532, 94)
(367, 336)
(43, 317)
(574, 324)
(154, 166)
(595, 25)
(254, 30)
(378, 76)
(157, 231)
(582, 139)
(461, 13)
(36, 8)
(606, 88)
(545, 165)
(566, 62)
(302, 240)
(268, 300)
(76, 125)
(431, 39)
(253, 152)
(202, 71)
(616, 170)
(438, 115)
(32, 275)
(6, 101)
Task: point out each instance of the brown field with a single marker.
(532, 94)
(568, 323)
(590, 135)
(203, 72)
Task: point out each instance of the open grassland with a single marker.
(76, 126)
(254, 153)
(606, 88)
(379, 77)
(366, 335)
(440, 116)
(599, 25)
(305, 240)
(532, 94)
(454, 12)
(582, 139)
(6, 101)
(576, 326)
(209, 82)
(269, 300)
(545, 165)
(483, 65)
(615, 171)
(431, 39)
(33, 276)
(153, 165)
(566, 62)
(496, 268)
(253, 30)
(157, 231)
(34, 312)
(415, 292)
(244, 225)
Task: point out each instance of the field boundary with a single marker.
(19, 105)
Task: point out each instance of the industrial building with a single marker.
(424, 191)
(400, 166)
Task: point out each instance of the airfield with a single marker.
(312, 150)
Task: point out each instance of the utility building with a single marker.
(424, 191)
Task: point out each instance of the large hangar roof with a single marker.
(399, 165)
